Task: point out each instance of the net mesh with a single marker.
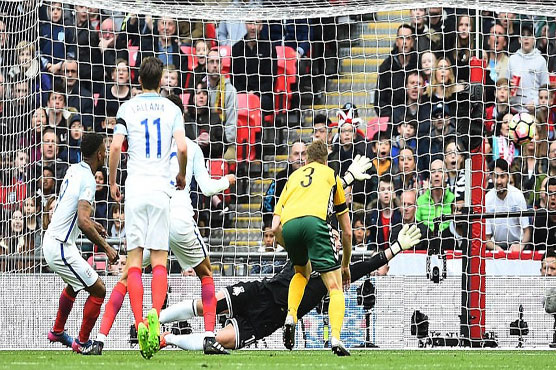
(65, 69)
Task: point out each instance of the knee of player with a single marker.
(226, 337)
(99, 289)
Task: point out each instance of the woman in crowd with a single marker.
(113, 95)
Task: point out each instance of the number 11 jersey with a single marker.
(149, 122)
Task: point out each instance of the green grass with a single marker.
(260, 360)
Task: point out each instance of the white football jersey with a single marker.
(180, 205)
(149, 122)
(78, 184)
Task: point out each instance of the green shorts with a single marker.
(310, 238)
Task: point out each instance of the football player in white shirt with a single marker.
(74, 207)
(149, 121)
(185, 242)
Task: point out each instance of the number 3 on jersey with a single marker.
(156, 122)
(309, 176)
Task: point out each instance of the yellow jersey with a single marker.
(312, 190)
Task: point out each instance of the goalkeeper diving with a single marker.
(256, 309)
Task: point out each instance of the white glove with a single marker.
(357, 170)
(407, 238)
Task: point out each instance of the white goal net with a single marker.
(429, 90)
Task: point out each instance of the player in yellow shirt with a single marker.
(312, 194)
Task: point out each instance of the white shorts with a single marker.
(147, 221)
(186, 243)
(65, 260)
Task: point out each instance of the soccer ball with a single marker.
(522, 128)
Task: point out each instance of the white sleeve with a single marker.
(207, 185)
(177, 125)
(87, 190)
(524, 221)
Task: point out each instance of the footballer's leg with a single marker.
(295, 295)
(159, 288)
(135, 289)
(336, 309)
(58, 334)
(189, 308)
(91, 311)
(225, 339)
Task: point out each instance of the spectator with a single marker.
(49, 206)
(117, 221)
(50, 149)
(33, 139)
(427, 64)
(57, 114)
(200, 71)
(529, 67)
(530, 167)
(408, 201)
(345, 149)
(112, 97)
(231, 31)
(359, 234)
(118, 268)
(164, 45)
(382, 149)
(437, 200)
(5, 106)
(383, 218)
(46, 189)
(511, 233)
(190, 30)
(546, 43)
(268, 266)
(544, 230)
(414, 108)
(21, 94)
(502, 146)
(293, 33)
(223, 102)
(494, 113)
(465, 46)
(455, 173)
(202, 125)
(552, 159)
(497, 57)
(507, 20)
(56, 41)
(391, 73)
(441, 127)
(443, 87)
(548, 264)
(322, 130)
(419, 23)
(101, 198)
(27, 66)
(254, 65)
(296, 159)
(15, 243)
(111, 53)
(32, 221)
(73, 153)
(441, 30)
(169, 83)
(88, 53)
(78, 96)
(406, 177)
(407, 131)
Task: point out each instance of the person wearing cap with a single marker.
(441, 126)
(528, 71)
(72, 153)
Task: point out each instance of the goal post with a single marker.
(416, 83)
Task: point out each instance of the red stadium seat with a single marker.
(99, 261)
(185, 100)
(192, 60)
(248, 125)
(286, 78)
(225, 58)
(375, 125)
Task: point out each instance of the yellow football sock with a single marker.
(336, 310)
(295, 293)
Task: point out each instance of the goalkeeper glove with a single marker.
(407, 238)
(357, 170)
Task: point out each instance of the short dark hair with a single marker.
(150, 73)
(90, 143)
(449, 140)
(59, 88)
(386, 178)
(502, 164)
(550, 253)
(551, 182)
(413, 72)
(408, 26)
(322, 118)
(177, 101)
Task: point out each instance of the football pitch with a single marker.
(375, 359)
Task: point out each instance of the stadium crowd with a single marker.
(85, 65)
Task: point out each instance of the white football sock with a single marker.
(190, 342)
(101, 338)
(183, 310)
